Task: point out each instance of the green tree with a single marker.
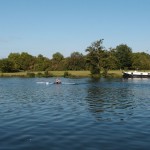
(58, 57)
(42, 63)
(76, 61)
(124, 55)
(113, 61)
(15, 58)
(6, 65)
(141, 61)
(56, 61)
(94, 57)
(27, 61)
(109, 61)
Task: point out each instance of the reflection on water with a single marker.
(102, 114)
(110, 101)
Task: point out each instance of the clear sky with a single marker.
(49, 26)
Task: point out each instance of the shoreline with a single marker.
(70, 74)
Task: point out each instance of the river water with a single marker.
(107, 114)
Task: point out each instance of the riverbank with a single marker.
(111, 73)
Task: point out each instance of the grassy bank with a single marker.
(111, 73)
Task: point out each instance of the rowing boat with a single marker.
(67, 83)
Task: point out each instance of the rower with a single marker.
(58, 81)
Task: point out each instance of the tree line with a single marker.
(97, 60)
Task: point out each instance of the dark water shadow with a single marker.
(110, 99)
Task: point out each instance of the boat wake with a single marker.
(44, 82)
(65, 83)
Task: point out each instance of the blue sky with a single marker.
(49, 26)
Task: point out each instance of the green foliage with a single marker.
(124, 55)
(6, 65)
(76, 61)
(15, 58)
(105, 73)
(23, 61)
(39, 75)
(141, 61)
(50, 74)
(67, 74)
(57, 61)
(58, 57)
(97, 60)
(26, 61)
(47, 74)
(95, 76)
(94, 57)
(30, 74)
(41, 63)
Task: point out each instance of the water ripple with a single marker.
(105, 114)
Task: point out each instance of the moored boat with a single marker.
(136, 74)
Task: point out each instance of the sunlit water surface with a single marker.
(108, 114)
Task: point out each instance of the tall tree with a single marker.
(26, 61)
(109, 61)
(141, 61)
(6, 65)
(15, 58)
(42, 63)
(94, 57)
(124, 55)
(76, 61)
(57, 61)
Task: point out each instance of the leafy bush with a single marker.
(39, 74)
(48, 74)
(30, 74)
(67, 74)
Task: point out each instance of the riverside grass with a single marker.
(111, 73)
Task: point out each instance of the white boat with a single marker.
(136, 74)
